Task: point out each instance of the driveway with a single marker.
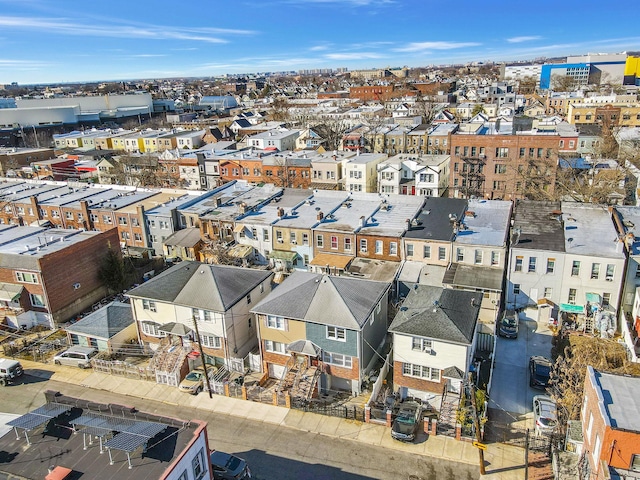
(511, 395)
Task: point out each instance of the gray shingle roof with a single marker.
(198, 285)
(106, 322)
(328, 300)
(452, 320)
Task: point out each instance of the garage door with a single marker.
(276, 371)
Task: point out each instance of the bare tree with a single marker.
(563, 83)
(214, 252)
(332, 131)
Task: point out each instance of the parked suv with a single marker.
(76, 357)
(10, 370)
(228, 467)
(509, 324)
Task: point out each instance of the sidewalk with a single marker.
(503, 462)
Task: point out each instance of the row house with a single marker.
(566, 256)
(213, 300)
(360, 172)
(326, 329)
(327, 170)
(618, 114)
(502, 165)
(463, 245)
(49, 275)
(278, 139)
(20, 200)
(424, 175)
(279, 233)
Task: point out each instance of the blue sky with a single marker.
(50, 41)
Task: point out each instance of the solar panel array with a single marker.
(131, 433)
(39, 416)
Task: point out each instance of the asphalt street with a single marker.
(273, 452)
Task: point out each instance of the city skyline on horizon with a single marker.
(68, 42)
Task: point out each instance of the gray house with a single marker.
(107, 329)
(331, 324)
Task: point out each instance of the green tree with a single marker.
(112, 272)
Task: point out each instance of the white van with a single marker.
(76, 356)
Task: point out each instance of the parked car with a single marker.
(544, 414)
(10, 370)
(508, 326)
(539, 371)
(76, 356)
(229, 467)
(193, 383)
(405, 426)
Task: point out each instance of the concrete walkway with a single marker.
(502, 461)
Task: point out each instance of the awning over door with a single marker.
(10, 292)
(283, 255)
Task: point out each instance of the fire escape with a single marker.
(473, 176)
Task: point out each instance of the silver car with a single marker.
(545, 414)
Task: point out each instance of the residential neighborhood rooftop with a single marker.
(589, 230)
(620, 398)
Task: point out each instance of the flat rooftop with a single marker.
(486, 222)
(54, 443)
(589, 230)
(621, 399)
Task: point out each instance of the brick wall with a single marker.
(342, 372)
(400, 380)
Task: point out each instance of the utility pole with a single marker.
(204, 364)
(476, 424)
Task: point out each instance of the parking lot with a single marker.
(511, 396)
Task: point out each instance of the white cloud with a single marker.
(11, 63)
(150, 32)
(523, 39)
(319, 48)
(352, 56)
(420, 46)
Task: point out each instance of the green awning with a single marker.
(283, 255)
(593, 298)
(567, 307)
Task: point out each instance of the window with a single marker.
(460, 254)
(595, 270)
(363, 245)
(184, 476)
(426, 252)
(421, 371)
(409, 249)
(551, 265)
(334, 241)
(265, 234)
(442, 253)
(548, 291)
(500, 168)
(337, 359)
(305, 239)
(107, 219)
(572, 296)
(198, 465)
(379, 247)
(279, 236)
(638, 271)
(149, 305)
(27, 277)
(610, 270)
(532, 264)
(516, 289)
(211, 341)
(275, 347)
(606, 299)
(248, 298)
(393, 248)
(335, 333)
(122, 220)
(68, 215)
(477, 258)
(347, 244)
(319, 241)
(575, 268)
(495, 258)
(421, 344)
(278, 323)
(502, 152)
(152, 329)
(292, 237)
(518, 265)
(36, 300)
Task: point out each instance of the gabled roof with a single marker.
(328, 300)
(441, 314)
(198, 285)
(105, 322)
